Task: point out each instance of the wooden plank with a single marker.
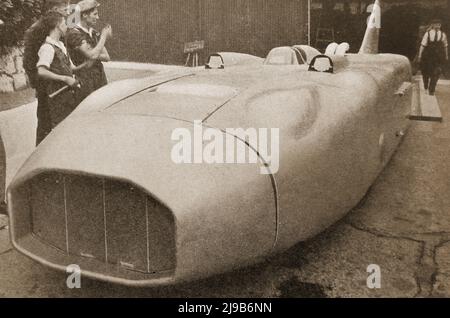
(424, 106)
(416, 112)
(430, 107)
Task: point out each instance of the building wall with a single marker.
(401, 22)
(156, 30)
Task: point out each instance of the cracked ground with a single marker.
(402, 225)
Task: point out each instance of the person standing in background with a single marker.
(433, 54)
(87, 45)
(52, 73)
(32, 46)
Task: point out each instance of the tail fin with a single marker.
(372, 37)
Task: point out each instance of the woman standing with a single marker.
(433, 55)
(49, 69)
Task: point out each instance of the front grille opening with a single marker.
(108, 220)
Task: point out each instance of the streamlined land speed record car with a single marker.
(103, 192)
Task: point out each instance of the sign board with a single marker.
(193, 47)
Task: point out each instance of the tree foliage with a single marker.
(17, 16)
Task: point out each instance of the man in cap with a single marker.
(433, 54)
(86, 44)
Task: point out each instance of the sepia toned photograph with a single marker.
(225, 149)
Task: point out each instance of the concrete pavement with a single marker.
(403, 225)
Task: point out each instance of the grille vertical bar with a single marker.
(161, 235)
(127, 226)
(85, 214)
(104, 220)
(148, 238)
(65, 215)
(47, 210)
